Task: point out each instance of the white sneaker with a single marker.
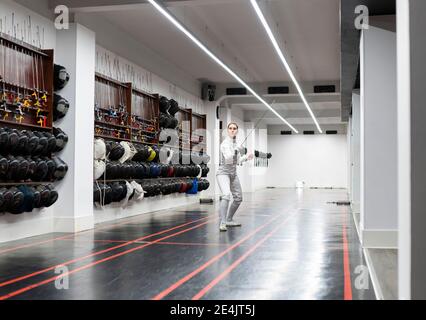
(222, 227)
(232, 223)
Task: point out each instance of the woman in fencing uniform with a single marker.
(227, 178)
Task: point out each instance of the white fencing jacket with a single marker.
(231, 156)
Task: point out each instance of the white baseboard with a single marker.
(357, 226)
(73, 224)
(16, 227)
(373, 275)
(379, 239)
(355, 206)
(114, 211)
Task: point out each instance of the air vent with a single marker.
(286, 133)
(278, 90)
(324, 89)
(308, 132)
(236, 91)
(331, 132)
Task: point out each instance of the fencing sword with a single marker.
(255, 126)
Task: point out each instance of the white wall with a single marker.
(54, 219)
(37, 222)
(378, 138)
(150, 82)
(38, 22)
(411, 72)
(404, 145)
(144, 80)
(114, 39)
(319, 160)
(261, 144)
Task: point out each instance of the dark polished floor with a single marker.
(292, 245)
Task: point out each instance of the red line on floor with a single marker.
(71, 237)
(346, 263)
(219, 278)
(190, 244)
(95, 253)
(25, 289)
(177, 284)
(96, 240)
(162, 243)
(66, 237)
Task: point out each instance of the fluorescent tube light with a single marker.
(178, 25)
(284, 61)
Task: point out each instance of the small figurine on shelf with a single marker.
(17, 98)
(117, 134)
(44, 98)
(34, 95)
(98, 113)
(3, 96)
(18, 109)
(4, 107)
(42, 121)
(26, 103)
(37, 103)
(112, 112)
(19, 117)
(123, 118)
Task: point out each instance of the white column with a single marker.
(349, 157)
(212, 148)
(411, 26)
(378, 138)
(355, 152)
(76, 51)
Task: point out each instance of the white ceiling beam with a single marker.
(301, 121)
(281, 98)
(291, 114)
(255, 114)
(120, 5)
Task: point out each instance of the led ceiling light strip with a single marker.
(178, 25)
(284, 61)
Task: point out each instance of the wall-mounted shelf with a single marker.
(100, 76)
(17, 125)
(111, 124)
(28, 71)
(143, 108)
(141, 180)
(11, 41)
(132, 107)
(141, 92)
(111, 138)
(26, 183)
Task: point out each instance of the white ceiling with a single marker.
(308, 30)
(315, 106)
